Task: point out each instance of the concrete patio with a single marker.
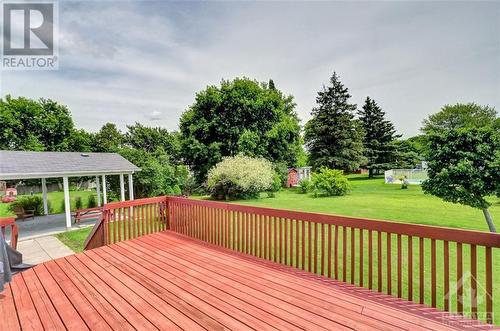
(43, 226)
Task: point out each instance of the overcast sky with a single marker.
(144, 61)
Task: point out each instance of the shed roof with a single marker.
(23, 165)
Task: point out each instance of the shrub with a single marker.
(276, 185)
(240, 177)
(78, 203)
(305, 186)
(177, 190)
(91, 201)
(330, 182)
(33, 202)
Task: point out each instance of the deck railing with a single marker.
(446, 268)
(6, 223)
(127, 220)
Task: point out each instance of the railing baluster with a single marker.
(379, 258)
(410, 268)
(421, 269)
(297, 242)
(303, 243)
(285, 233)
(315, 227)
(489, 286)
(389, 263)
(433, 273)
(309, 250)
(370, 259)
(344, 253)
(400, 268)
(336, 252)
(353, 254)
(459, 289)
(361, 251)
(473, 280)
(322, 227)
(329, 227)
(446, 276)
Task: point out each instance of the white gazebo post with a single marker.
(104, 196)
(44, 196)
(98, 188)
(67, 207)
(130, 187)
(122, 188)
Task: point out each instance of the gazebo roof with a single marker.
(24, 165)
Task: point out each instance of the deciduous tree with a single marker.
(464, 167)
(239, 117)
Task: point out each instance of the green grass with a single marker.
(74, 239)
(55, 199)
(371, 198)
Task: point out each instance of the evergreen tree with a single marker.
(332, 136)
(378, 141)
(271, 85)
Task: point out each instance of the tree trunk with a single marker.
(370, 173)
(489, 220)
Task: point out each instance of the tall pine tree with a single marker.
(378, 141)
(332, 136)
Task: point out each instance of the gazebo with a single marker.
(18, 165)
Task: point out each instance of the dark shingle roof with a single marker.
(20, 164)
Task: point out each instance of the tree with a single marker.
(457, 116)
(379, 136)
(41, 125)
(157, 176)
(151, 139)
(239, 117)
(79, 141)
(464, 167)
(332, 136)
(109, 139)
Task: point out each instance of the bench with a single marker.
(87, 213)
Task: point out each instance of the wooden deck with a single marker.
(168, 281)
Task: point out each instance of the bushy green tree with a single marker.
(108, 139)
(332, 136)
(41, 125)
(379, 136)
(330, 182)
(452, 117)
(240, 177)
(157, 176)
(239, 116)
(464, 167)
(151, 139)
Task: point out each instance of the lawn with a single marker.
(56, 201)
(371, 198)
(75, 239)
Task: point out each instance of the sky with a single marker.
(144, 61)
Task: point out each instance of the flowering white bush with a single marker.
(240, 177)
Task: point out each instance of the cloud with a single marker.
(155, 116)
(127, 61)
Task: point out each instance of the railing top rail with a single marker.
(131, 203)
(425, 231)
